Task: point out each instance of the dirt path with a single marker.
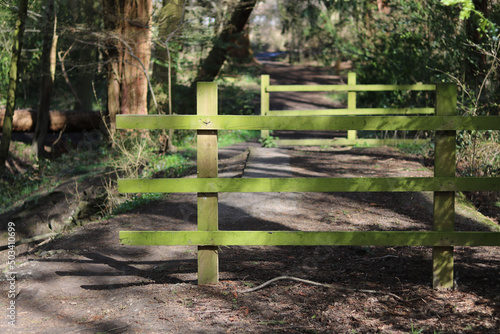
(86, 282)
(286, 74)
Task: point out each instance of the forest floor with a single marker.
(84, 281)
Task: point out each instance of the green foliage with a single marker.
(414, 330)
(424, 41)
(479, 153)
(172, 164)
(140, 155)
(37, 175)
(231, 137)
(269, 141)
(402, 48)
(233, 100)
(426, 149)
(135, 202)
(137, 156)
(467, 7)
(5, 56)
(485, 25)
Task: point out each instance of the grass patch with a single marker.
(231, 137)
(338, 97)
(131, 154)
(135, 202)
(424, 149)
(32, 176)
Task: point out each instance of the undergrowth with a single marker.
(131, 156)
(478, 155)
(127, 154)
(425, 149)
(26, 175)
(140, 155)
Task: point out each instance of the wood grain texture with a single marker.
(298, 238)
(225, 122)
(354, 184)
(444, 201)
(353, 112)
(207, 165)
(264, 101)
(348, 87)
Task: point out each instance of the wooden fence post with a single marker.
(351, 104)
(444, 202)
(208, 215)
(264, 101)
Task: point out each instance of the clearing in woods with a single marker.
(86, 282)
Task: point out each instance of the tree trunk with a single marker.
(25, 120)
(476, 63)
(13, 80)
(47, 80)
(241, 51)
(169, 24)
(84, 78)
(211, 66)
(87, 54)
(136, 57)
(129, 53)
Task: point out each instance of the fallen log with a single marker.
(75, 121)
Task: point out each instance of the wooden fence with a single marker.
(208, 238)
(351, 88)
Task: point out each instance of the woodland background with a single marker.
(103, 58)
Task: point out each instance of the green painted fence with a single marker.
(352, 110)
(208, 238)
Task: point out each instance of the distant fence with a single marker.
(351, 88)
(208, 238)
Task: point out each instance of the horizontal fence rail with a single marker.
(224, 122)
(298, 238)
(354, 112)
(354, 184)
(208, 238)
(349, 88)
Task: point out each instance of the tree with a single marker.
(478, 28)
(231, 28)
(47, 81)
(127, 23)
(84, 15)
(170, 22)
(13, 80)
(294, 16)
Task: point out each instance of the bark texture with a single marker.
(13, 80)
(25, 120)
(49, 49)
(129, 51)
(232, 28)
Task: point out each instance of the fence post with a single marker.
(264, 101)
(351, 104)
(208, 215)
(444, 202)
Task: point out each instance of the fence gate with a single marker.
(351, 88)
(208, 238)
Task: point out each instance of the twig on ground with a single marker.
(385, 257)
(32, 239)
(318, 284)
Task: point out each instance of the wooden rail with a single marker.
(444, 184)
(352, 110)
(437, 123)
